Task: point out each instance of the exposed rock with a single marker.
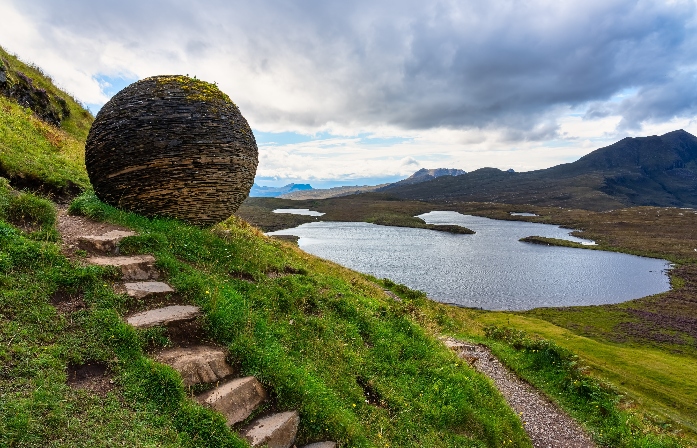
(321, 445)
(138, 267)
(172, 146)
(236, 399)
(198, 364)
(424, 175)
(18, 86)
(163, 316)
(147, 290)
(103, 244)
(274, 431)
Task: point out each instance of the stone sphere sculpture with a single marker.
(172, 146)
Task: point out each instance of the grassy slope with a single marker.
(318, 332)
(33, 152)
(323, 339)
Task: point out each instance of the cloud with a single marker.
(481, 75)
(409, 162)
(675, 97)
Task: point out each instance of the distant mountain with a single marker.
(324, 193)
(422, 175)
(655, 170)
(272, 192)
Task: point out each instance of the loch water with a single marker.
(490, 269)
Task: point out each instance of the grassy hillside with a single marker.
(33, 153)
(362, 368)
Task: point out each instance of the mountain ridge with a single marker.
(653, 170)
(261, 191)
(422, 175)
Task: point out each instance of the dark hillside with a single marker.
(655, 170)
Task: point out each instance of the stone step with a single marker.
(137, 267)
(235, 399)
(103, 244)
(320, 445)
(147, 290)
(273, 431)
(454, 345)
(163, 316)
(198, 364)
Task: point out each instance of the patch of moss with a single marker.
(196, 89)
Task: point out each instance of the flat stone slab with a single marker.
(107, 243)
(198, 364)
(142, 290)
(235, 399)
(274, 431)
(163, 316)
(321, 445)
(137, 267)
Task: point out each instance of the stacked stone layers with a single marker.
(172, 146)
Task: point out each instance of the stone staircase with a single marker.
(234, 397)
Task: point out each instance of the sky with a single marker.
(367, 92)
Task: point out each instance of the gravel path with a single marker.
(546, 424)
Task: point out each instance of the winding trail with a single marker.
(546, 424)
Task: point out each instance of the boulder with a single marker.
(172, 146)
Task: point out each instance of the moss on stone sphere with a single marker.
(172, 146)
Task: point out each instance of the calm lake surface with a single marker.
(298, 211)
(490, 269)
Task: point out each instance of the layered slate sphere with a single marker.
(172, 146)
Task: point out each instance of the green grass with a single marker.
(618, 393)
(323, 340)
(561, 375)
(656, 387)
(35, 153)
(79, 120)
(38, 343)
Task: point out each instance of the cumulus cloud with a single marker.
(501, 73)
(407, 63)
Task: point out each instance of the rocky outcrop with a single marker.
(18, 86)
(172, 146)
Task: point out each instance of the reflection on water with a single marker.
(298, 211)
(490, 269)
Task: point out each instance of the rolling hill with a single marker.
(655, 170)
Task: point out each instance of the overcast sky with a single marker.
(354, 92)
